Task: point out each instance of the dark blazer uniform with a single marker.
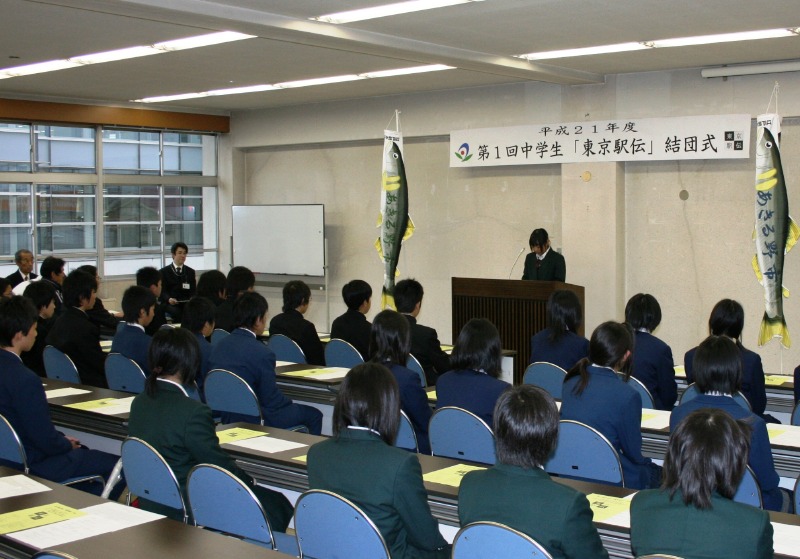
(414, 401)
(172, 283)
(386, 482)
(556, 516)
(354, 328)
(292, 325)
(74, 334)
(16, 278)
(34, 359)
(205, 360)
(551, 268)
(654, 366)
(132, 342)
(182, 431)
(567, 350)
(472, 390)
(223, 316)
(727, 530)
(426, 348)
(50, 454)
(159, 320)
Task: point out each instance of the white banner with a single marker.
(638, 139)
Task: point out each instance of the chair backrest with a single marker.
(546, 375)
(217, 335)
(481, 540)
(124, 374)
(797, 496)
(11, 448)
(48, 554)
(658, 556)
(286, 349)
(749, 492)
(796, 419)
(59, 366)
(647, 399)
(221, 501)
(462, 435)
(692, 392)
(339, 353)
(413, 364)
(582, 452)
(229, 393)
(149, 476)
(406, 437)
(331, 527)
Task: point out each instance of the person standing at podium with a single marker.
(542, 263)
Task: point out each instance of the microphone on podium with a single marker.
(511, 271)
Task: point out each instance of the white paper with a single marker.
(61, 392)
(786, 539)
(284, 363)
(660, 421)
(99, 519)
(14, 486)
(268, 444)
(123, 405)
(790, 435)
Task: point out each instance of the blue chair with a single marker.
(227, 392)
(485, 540)
(413, 364)
(59, 366)
(462, 435)
(749, 491)
(546, 375)
(796, 417)
(647, 399)
(149, 476)
(692, 392)
(406, 437)
(331, 527)
(286, 349)
(797, 496)
(47, 554)
(11, 450)
(222, 502)
(658, 556)
(582, 452)
(124, 374)
(217, 335)
(339, 353)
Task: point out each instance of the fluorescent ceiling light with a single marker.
(724, 38)
(202, 41)
(165, 98)
(239, 90)
(319, 81)
(406, 71)
(114, 55)
(38, 68)
(751, 69)
(388, 10)
(605, 49)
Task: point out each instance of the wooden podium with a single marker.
(517, 307)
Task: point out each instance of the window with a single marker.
(65, 218)
(65, 149)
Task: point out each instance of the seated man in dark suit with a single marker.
(74, 334)
(179, 282)
(543, 263)
(23, 403)
(150, 278)
(43, 296)
(52, 271)
(98, 314)
(353, 326)
(290, 323)
(23, 258)
(131, 340)
(240, 281)
(425, 344)
(242, 354)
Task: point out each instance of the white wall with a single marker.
(472, 222)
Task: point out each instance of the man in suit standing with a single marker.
(542, 263)
(179, 283)
(425, 344)
(23, 258)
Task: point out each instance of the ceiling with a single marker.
(478, 38)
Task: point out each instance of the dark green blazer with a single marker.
(726, 531)
(556, 516)
(182, 431)
(552, 268)
(386, 482)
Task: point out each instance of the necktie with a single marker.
(178, 271)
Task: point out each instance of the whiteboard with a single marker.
(280, 239)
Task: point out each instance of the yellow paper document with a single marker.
(605, 506)
(303, 458)
(93, 404)
(431, 394)
(775, 380)
(237, 434)
(36, 516)
(450, 476)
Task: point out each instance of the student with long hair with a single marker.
(560, 343)
(360, 464)
(474, 382)
(595, 394)
(180, 428)
(693, 514)
(390, 344)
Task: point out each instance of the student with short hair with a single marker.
(23, 403)
(353, 326)
(5, 289)
(98, 314)
(23, 258)
(425, 344)
(693, 514)
(543, 263)
(52, 271)
(390, 342)
(77, 336)
(240, 281)
(560, 343)
(150, 278)
(290, 323)
(242, 354)
(718, 376)
(474, 383)
(179, 283)
(212, 286)
(360, 464)
(517, 492)
(198, 318)
(43, 296)
(131, 339)
(653, 364)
